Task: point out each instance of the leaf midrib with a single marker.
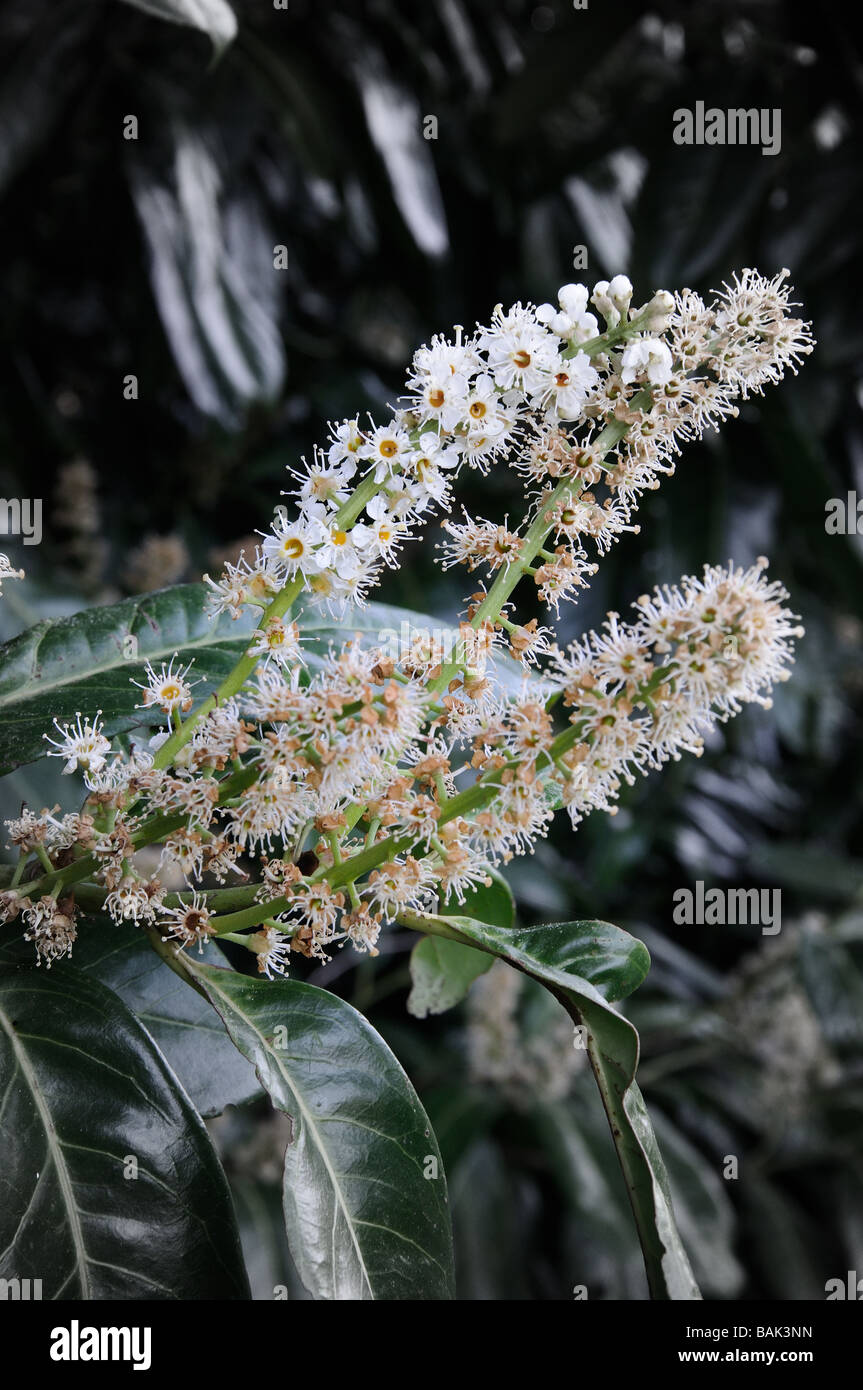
(39, 687)
(33, 687)
(309, 1120)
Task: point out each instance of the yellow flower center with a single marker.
(388, 447)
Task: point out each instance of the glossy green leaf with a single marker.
(87, 662)
(586, 965)
(442, 972)
(88, 1101)
(364, 1220)
(187, 1030)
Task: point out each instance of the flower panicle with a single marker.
(330, 792)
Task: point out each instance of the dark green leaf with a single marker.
(87, 662)
(363, 1219)
(442, 973)
(585, 964)
(86, 1091)
(189, 1033)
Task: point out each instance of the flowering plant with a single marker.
(316, 796)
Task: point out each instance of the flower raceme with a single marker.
(390, 781)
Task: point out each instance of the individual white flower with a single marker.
(396, 885)
(82, 745)
(519, 349)
(603, 302)
(445, 359)
(386, 449)
(121, 773)
(338, 550)
(650, 357)
(567, 383)
(385, 533)
(440, 397)
(241, 584)
(482, 405)
(324, 481)
(620, 293)
(273, 949)
(358, 573)
(130, 902)
(346, 441)
(362, 930)
(490, 421)
(482, 446)
(280, 642)
(190, 923)
(167, 688)
(292, 545)
(403, 498)
(429, 467)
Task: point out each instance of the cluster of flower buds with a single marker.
(306, 808)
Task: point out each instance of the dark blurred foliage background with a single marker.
(154, 257)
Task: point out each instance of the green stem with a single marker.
(233, 682)
(42, 855)
(509, 576)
